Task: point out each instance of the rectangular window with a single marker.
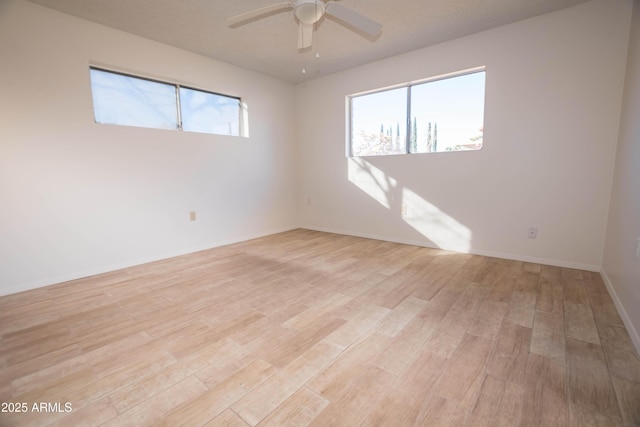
(446, 114)
(378, 121)
(209, 112)
(121, 99)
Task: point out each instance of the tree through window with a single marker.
(445, 114)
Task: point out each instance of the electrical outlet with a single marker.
(403, 210)
(533, 232)
(192, 216)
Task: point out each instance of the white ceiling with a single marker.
(269, 45)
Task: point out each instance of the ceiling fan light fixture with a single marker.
(309, 11)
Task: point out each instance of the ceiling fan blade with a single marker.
(354, 19)
(305, 35)
(247, 16)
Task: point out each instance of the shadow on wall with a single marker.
(431, 222)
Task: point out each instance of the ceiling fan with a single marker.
(308, 12)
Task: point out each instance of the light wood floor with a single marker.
(308, 328)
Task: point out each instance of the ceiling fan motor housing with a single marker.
(309, 11)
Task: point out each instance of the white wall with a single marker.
(553, 96)
(78, 198)
(621, 266)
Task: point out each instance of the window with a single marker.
(209, 112)
(121, 99)
(446, 114)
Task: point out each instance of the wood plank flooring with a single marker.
(308, 328)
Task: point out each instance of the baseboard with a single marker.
(545, 261)
(113, 267)
(633, 333)
(514, 257)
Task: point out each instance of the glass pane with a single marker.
(209, 113)
(378, 123)
(448, 114)
(130, 101)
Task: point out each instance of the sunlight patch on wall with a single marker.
(434, 224)
(372, 181)
(430, 221)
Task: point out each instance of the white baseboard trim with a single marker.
(515, 257)
(633, 333)
(113, 267)
(545, 261)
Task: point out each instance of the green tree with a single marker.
(429, 141)
(478, 138)
(413, 147)
(435, 137)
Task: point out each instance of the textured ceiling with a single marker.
(269, 45)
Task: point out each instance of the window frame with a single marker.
(407, 124)
(178, 103)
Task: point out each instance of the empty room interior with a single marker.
(334, 249)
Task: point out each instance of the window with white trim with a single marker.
(436, 115)
(122, 99)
